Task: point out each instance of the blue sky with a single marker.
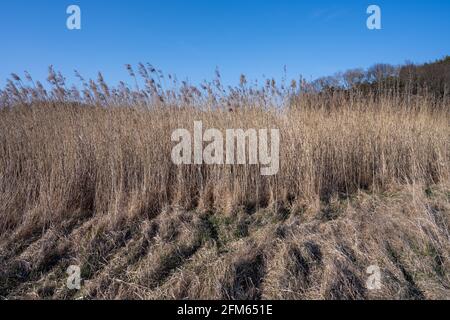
(191, 37)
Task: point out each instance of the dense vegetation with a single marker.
(405, 80)
(87, 180)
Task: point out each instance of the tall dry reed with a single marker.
(60, 158)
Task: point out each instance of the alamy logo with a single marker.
(236, 143)
(374, 20)
(74, 278)
(374, 280)
(74, 20)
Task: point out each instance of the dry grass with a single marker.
(362, 181)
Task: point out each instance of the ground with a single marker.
(309, 249)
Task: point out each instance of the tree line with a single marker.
(411, 79)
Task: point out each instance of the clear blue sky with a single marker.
(192, 37)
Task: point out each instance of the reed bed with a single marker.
(104, 155)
